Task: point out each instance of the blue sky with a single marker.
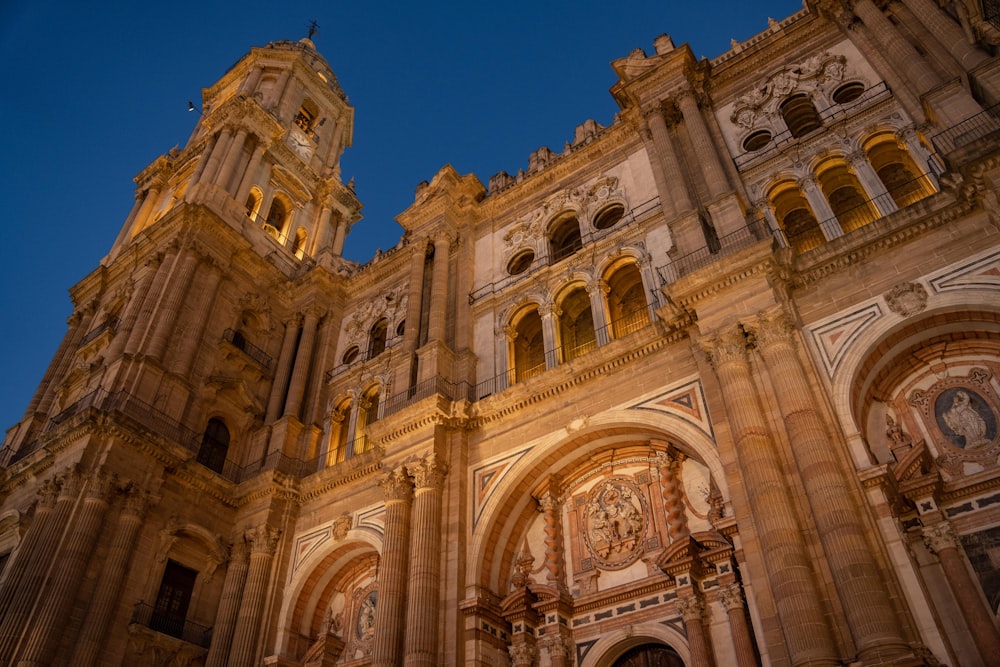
(94, 92)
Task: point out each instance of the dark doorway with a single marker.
(170, 610)
(650, 655)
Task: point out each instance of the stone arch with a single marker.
(887, 337)
(509, 510)
(313, 581)
(614, 644)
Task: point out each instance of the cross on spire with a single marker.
(313, 28)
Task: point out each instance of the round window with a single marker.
(848, 92)
(609, 217)
(757, 140)
(520, 262)
(351, 354)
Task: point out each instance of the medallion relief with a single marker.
(615, 523)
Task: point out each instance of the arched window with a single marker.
(253, 203)
(277, 215)
(846, 196)
(368, 409)
(795, 217)
(214, 445)
(351, 355)
(299, 245)
(528, 345)
(897, 171)
(564, 237)
(340, 426)
(800, 115)
(626, 299)
(377, 337)
(576, 324)
(306, 117)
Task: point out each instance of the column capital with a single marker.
(522, 654)
(48, 493)
(70, 482)
(136, 502)
(548, 503)
(771, 328)
(558, 646)
(598, 285)
(692, 609)
(731, 597)
(100, 485)
(397, 485)
(262, 539)
(725, 348)
(428, 473)
(940, 536)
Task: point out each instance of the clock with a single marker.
(300, 143)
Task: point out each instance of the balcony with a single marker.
(147, 616)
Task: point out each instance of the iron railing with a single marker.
(728, 244)
(969, 130)
(110, 324)
(148, 616)
(239, 340)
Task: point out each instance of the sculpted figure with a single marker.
(963, 419)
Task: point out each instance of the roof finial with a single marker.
(313, 28)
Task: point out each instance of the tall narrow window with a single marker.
(800, 115)
(528, 346)
(576, 324)
(276, 216)
(796, 218)
(173, 599)
(214, 446)
(564, 237)
(626, 299)
(377, 337)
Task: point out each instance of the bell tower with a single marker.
(184, 316)
(264, 153)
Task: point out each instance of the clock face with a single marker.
(300, 143)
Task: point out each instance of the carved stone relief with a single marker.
(614, 522)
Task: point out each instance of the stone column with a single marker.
(704, 146)
(692, 610)
(872, 184)
(262, 540)
(250, 175)
(250, 83)
(731, 598)
(79, 323)
(322, 235)
(937, 54)
(303, 362)
(598, 290)
(764, 206)
(187, 346)
(214, 158)
(27, 551)
(555, 561)
(284, 369)
(784, 553)
(339, 236)
(233, 154)
(411, 335)
(658, 135)
(941, 539)
(669, 467)
(387, 649)
(166, 315)
(948, 33)
(856, 573)
(828, 222)
(146, 210)
(899, 52)
(199, 169)
(438, 319)
(127, 321)
(229, 605)
(560, 650)
(47, 626)
(550, 341)
(142, 319)
(424, 599)
(112, 579)
(666, 150)
(25, 594)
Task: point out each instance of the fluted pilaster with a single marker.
(940, 538)
(64, 583)
(303, 362)
(284, 369)
(438, 316)
(856, 573)
(229, 604)
(387, 649)
(424, 597)
(784, 553)
(263, 540)
(692, 610)
(112, 579)
(731, 598)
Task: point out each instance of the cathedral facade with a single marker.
(717, 384)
